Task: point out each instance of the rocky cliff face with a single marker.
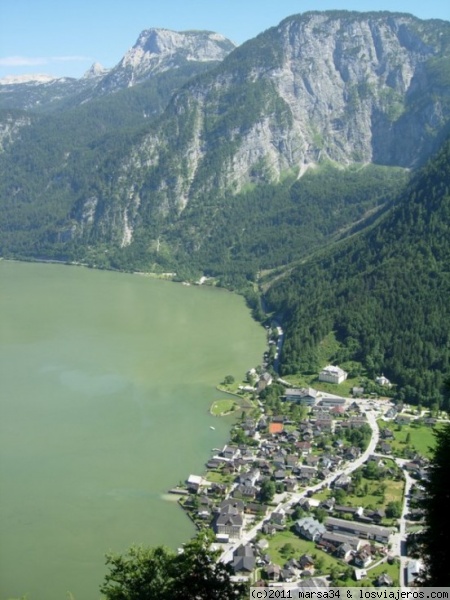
(158, 50)
(336, 87)
(345, 87)
(10, 126)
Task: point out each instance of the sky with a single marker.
(63, 38)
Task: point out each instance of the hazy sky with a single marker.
(64, 37)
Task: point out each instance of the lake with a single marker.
(106, 382)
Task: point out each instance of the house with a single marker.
(376, 515)
(323, 423)
(279, 461)
(249, 478)
(305, 504)
(309, 528)
(229, 522)
(355, 422)
(303, 447)
(360, 574)
(391, 413)
(333, 540)
(264, 381)
(332, 374)
(279, 474)
(331, 401)
(230, 452)
(386, 434)
(306, 563)
(244, 559)
(305, 472)
(291, 461)
(254, 508)
(382, 380)
(353, 511)
(288, 574)
(385, 448)
(413, 569)
(312, 461)
(307, 396)
(354, 406)
(343, 481)
(231, 502)
(328, 504)
(269, 528)
(290, 485)
(344, 551)
(273, 572)
(352, 453)
(245, 491)
(194, 482)
(362, 558)
(204, 513)
(384, 580)
(279, 518)
(293, 436)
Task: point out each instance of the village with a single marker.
(315, 488)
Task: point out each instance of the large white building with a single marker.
(332, 374)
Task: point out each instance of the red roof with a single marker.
(276, 427)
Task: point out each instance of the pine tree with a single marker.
(435, 547)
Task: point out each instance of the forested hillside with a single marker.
(385, 292)
(223, 180)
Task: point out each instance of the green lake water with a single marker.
(105, 384)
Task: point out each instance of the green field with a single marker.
(224, 406)
(421, 438)
(300, 546)
(393, 492)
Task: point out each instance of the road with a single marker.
(248, 536)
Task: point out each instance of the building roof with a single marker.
(276, 427)
(362, 528)
(302, 392)
(333, 370)
(310, 525)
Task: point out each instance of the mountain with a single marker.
(163, 190)
(53, 134)
(347, 88)
(383, 292)
(156, 51)
(224, 180)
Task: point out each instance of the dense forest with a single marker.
(384, 292)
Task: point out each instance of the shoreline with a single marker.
(244, 404)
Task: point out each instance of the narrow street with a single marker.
(293, 499)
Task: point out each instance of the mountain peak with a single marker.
(157, 50)
(29, 78)
(96, 70)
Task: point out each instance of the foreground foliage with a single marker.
(160, 574)
(434, 541)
